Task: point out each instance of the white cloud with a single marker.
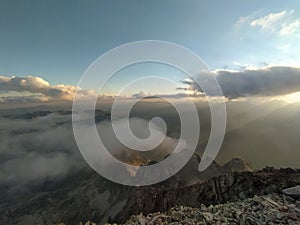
(40, 89)
(269, 21)
(290, 28)
(283, 23)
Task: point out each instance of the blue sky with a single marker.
(57, 40)
(135, 71)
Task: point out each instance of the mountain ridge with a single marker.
(101, 201)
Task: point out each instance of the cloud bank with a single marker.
(42, 148)
(269, 81)
(34, 150)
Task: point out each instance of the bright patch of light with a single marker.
(294, 97)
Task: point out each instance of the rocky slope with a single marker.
(98, 200)
(259, 210)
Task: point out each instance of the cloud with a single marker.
(241, 21)
(38, 89)
(139, 128)
(283, 23)
(251, 81)
(141, 94)
(191, 85)
(272, 81)
(269, 21)
(290, 28)
(35, 150)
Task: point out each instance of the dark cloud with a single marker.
(271, 81)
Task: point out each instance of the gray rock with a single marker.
(293, 192)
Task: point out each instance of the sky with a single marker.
(58, 40)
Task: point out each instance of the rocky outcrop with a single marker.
(101, 201)
(236, 165)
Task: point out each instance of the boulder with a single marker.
(293, 192)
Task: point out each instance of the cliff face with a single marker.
(98, 200)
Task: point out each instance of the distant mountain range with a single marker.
(39, 114)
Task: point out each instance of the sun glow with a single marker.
(294, 97)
